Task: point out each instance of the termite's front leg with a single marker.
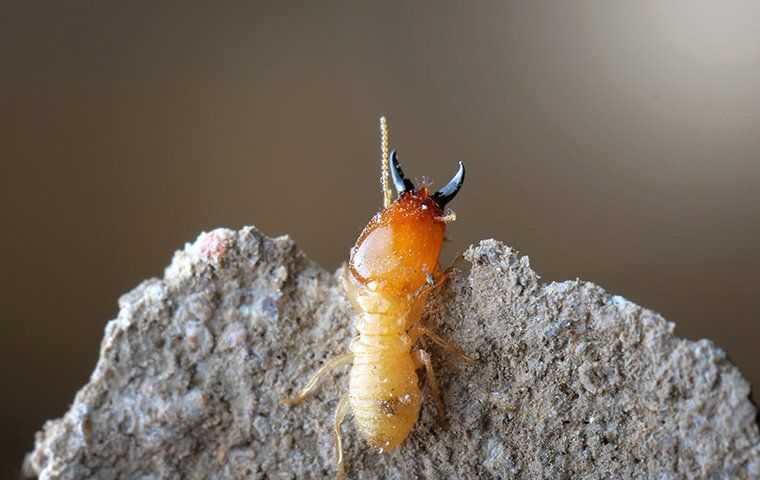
(439, 278)
(313, 383)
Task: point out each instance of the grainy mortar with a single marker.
(571, 382)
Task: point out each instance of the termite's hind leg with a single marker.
(313, 383)
(422, 359)
(443, 343)
(340, 414)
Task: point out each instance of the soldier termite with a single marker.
(392, 270)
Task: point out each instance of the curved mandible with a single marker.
(449, 191)
(401, 183)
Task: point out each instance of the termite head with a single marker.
(398, 250)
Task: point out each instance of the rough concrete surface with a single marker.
(571, 382)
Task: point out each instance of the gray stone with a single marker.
(571, 382)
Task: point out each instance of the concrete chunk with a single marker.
(571, 382)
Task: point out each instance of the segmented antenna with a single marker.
(387, 194)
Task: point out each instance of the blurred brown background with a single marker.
(618, 143)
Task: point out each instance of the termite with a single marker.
(392, 269)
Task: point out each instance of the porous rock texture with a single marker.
(571, 382)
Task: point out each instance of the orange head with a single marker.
(398, 250)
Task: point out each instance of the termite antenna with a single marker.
(387, 194)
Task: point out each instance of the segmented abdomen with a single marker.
(383, 392)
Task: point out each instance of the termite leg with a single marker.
(442, 342)
(340, 414)
(314, 381)
(433, 282)
(453, 265)
(438, 279)
(422, 359)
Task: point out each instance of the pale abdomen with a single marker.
(384, 396)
